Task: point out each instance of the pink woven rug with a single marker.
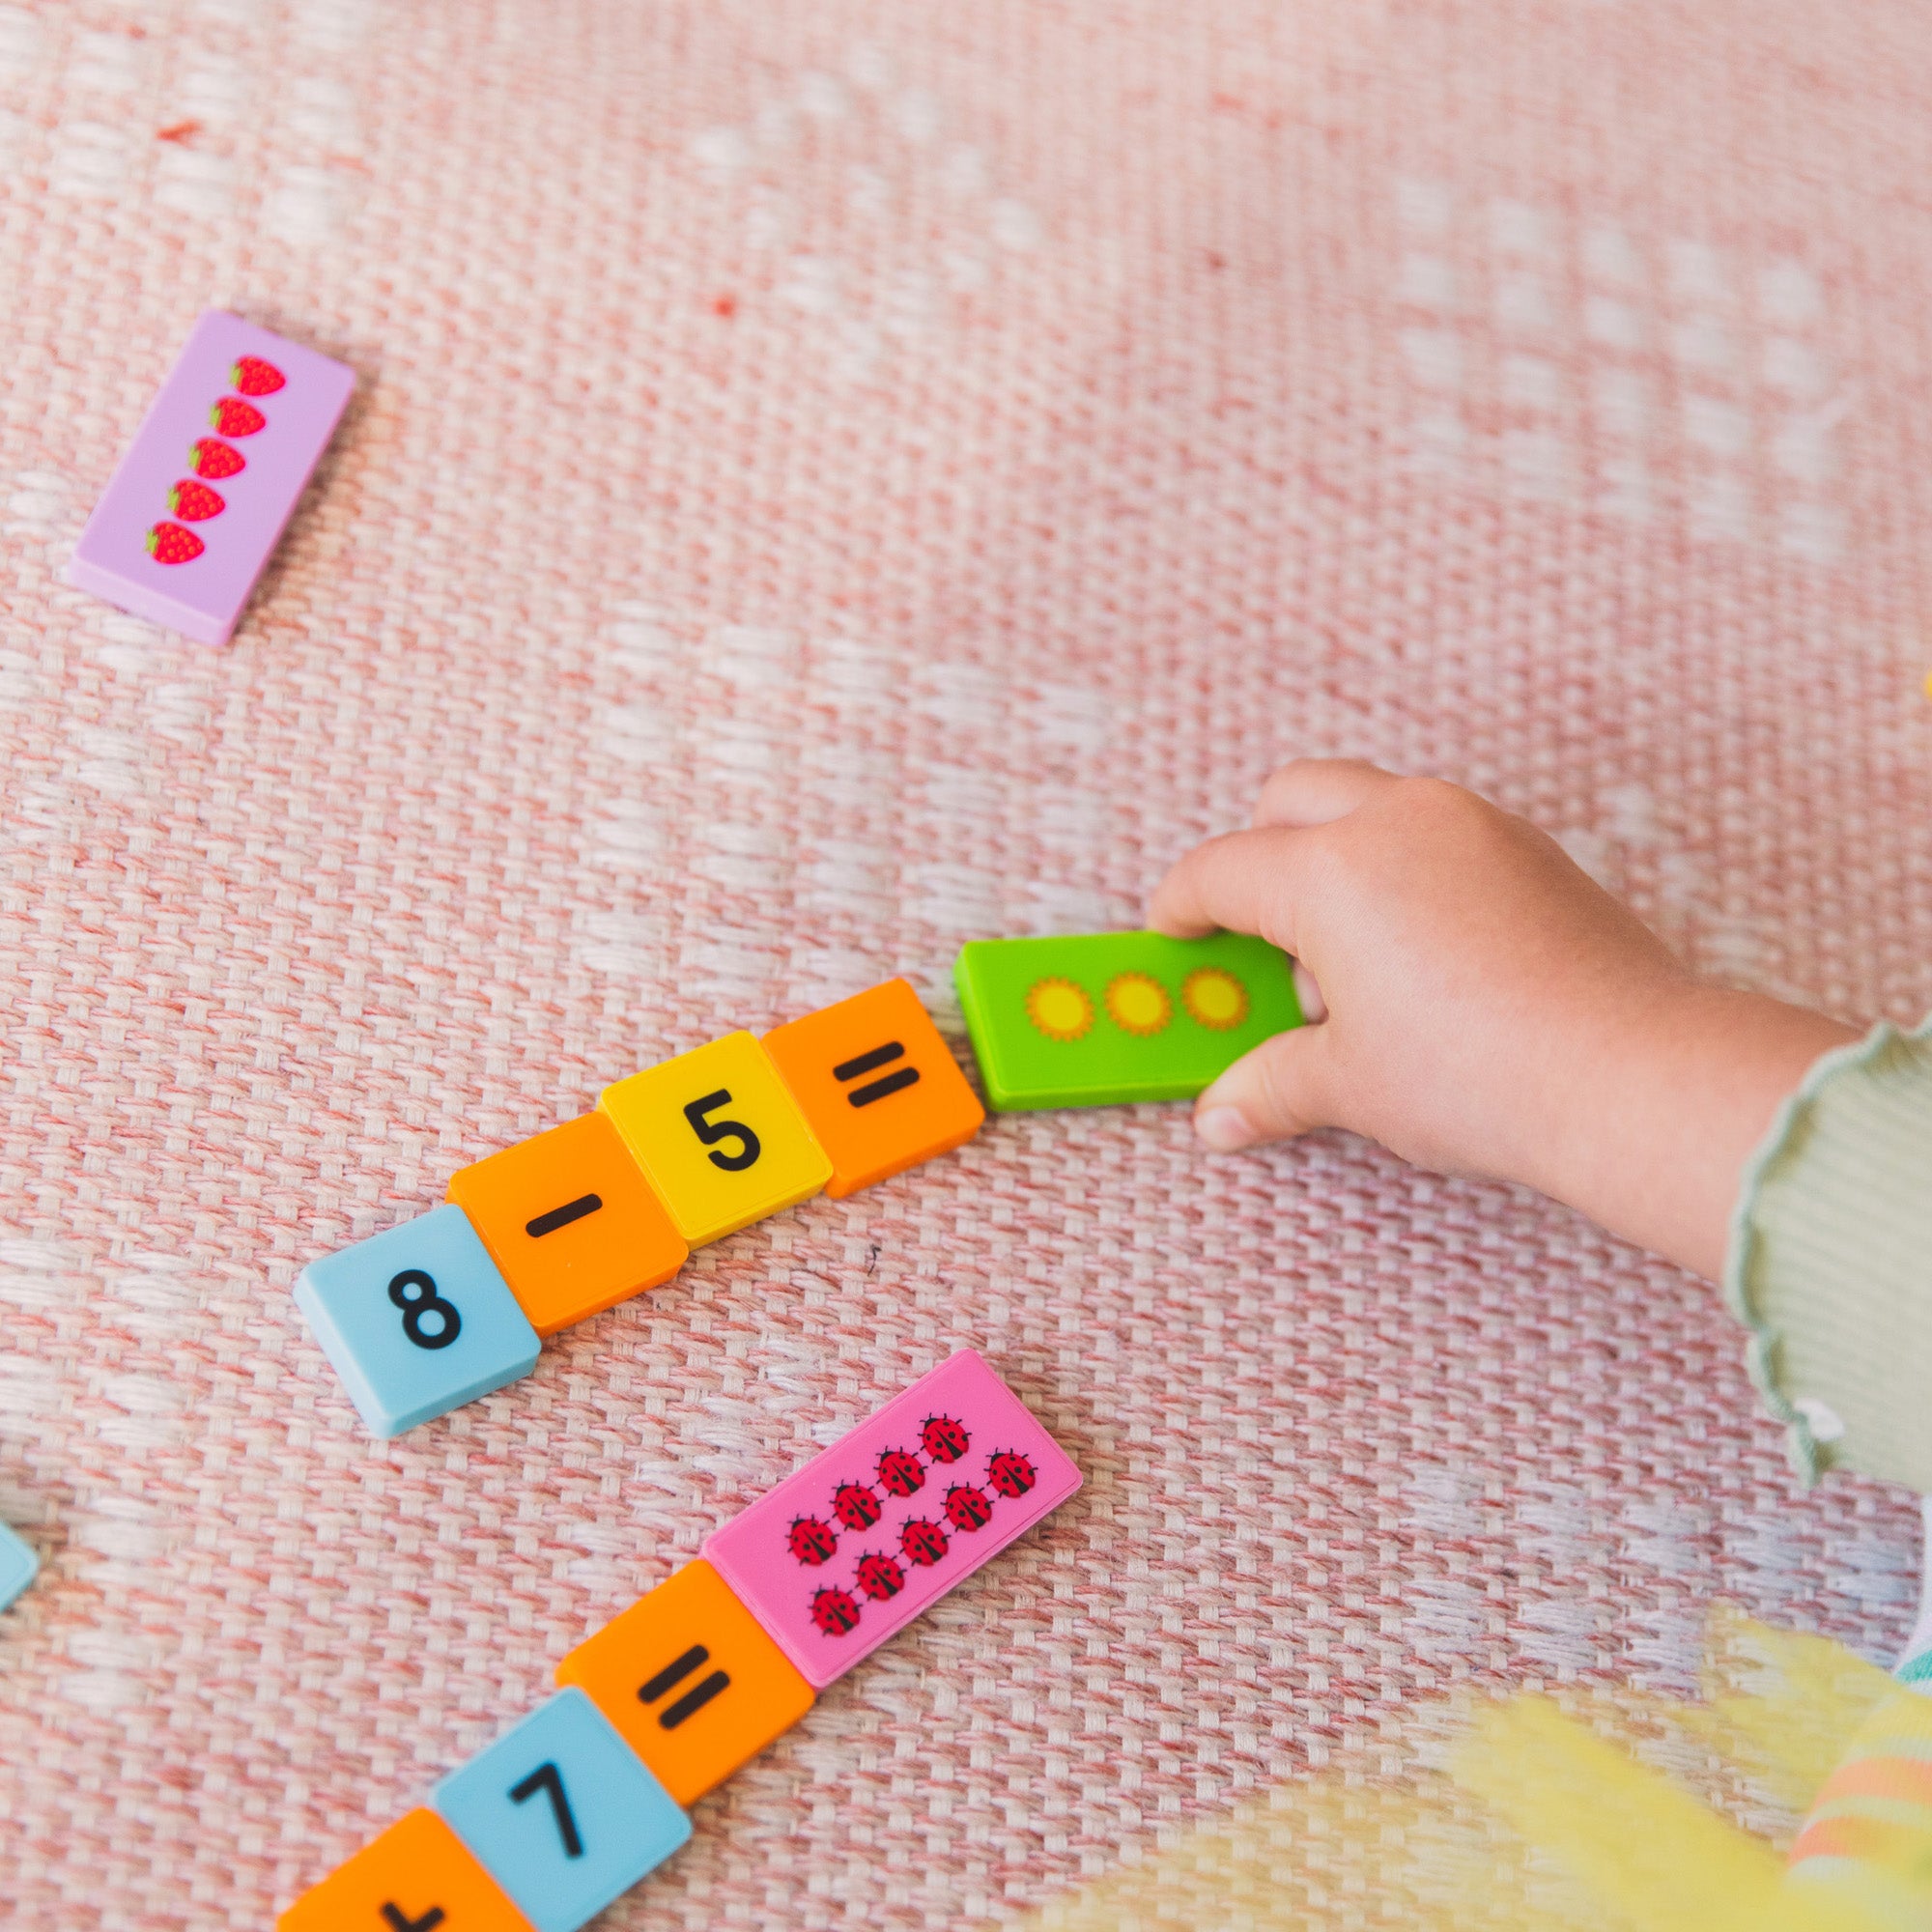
(832, 480)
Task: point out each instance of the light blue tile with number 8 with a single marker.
(416, 1321)
(561, 1814)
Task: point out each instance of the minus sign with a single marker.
(562, 1217)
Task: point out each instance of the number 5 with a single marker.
(711, 1132)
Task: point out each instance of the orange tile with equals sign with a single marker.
(877, 1084)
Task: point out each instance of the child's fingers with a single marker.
(1272, 1094)
(1317, 791)
(1241, 882)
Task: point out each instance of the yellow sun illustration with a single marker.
(1138, 1005)
(1059, 1008)
(1215, 998)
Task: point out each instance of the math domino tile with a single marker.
(571, 1220)
(866, 1536)
(720, 1136)
(561, 1814)
(690, 1680)
(189, 517)
(18, 1565)
(1112, 1018)
(417, 1877)
(416, 1321)
(879, 1084)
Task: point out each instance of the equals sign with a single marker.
(869, 1063)
(696, 1699)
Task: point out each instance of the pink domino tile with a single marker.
(189, 520)
(880, 1527)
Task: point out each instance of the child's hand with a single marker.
(1484, 1007)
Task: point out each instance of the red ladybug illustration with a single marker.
(945, 1439)
(925, 1543)
(811, 1541)
(902, 1472)
(212, 457)
(834, 1611)
(1010, 1473)
(879, 1577)
(967, 1508)
(855, 1505)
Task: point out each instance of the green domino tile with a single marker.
(1112, 1018)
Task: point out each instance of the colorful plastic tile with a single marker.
(571, 1220)
(1111, 1017)
(189, 520)
(18, 1565)
(417, 1877)
(855, 1545)
(720, 1136)
(561, 1814)
(878, 1085)
(417, 1320)
(691, 1681)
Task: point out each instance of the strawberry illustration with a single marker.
(213, 458)
(169, 542)
(232, 416)
(195, 502)
(255, 378)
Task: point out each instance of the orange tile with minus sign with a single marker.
(571, 1220)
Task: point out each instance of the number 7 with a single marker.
(546, 1777)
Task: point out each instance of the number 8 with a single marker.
(425, 1301)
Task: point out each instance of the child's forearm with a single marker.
(1649, 1132)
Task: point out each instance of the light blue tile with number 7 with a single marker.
(562, 1813)
(18, 1565)
(416, 1321)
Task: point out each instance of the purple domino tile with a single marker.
(189, 520)
(866, 1536)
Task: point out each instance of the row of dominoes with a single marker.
(439, 1310)
(586, 1795)
(444, 1308)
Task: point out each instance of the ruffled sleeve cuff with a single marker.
(1830, 1264)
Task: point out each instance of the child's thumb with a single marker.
(1270, 1093)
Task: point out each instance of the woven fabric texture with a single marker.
(828, 481)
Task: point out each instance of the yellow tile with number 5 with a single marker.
(720, 1136)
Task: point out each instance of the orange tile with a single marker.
(877, 1082)
(417, 1874)
(691, 1681)
(571, 1221)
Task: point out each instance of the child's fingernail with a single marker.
(1225, 1129)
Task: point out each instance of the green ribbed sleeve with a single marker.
(1831, 1260)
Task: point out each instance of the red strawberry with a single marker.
(232, 416)
(169, 542)
(255, 378)
(195, 502)
(212, 457)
